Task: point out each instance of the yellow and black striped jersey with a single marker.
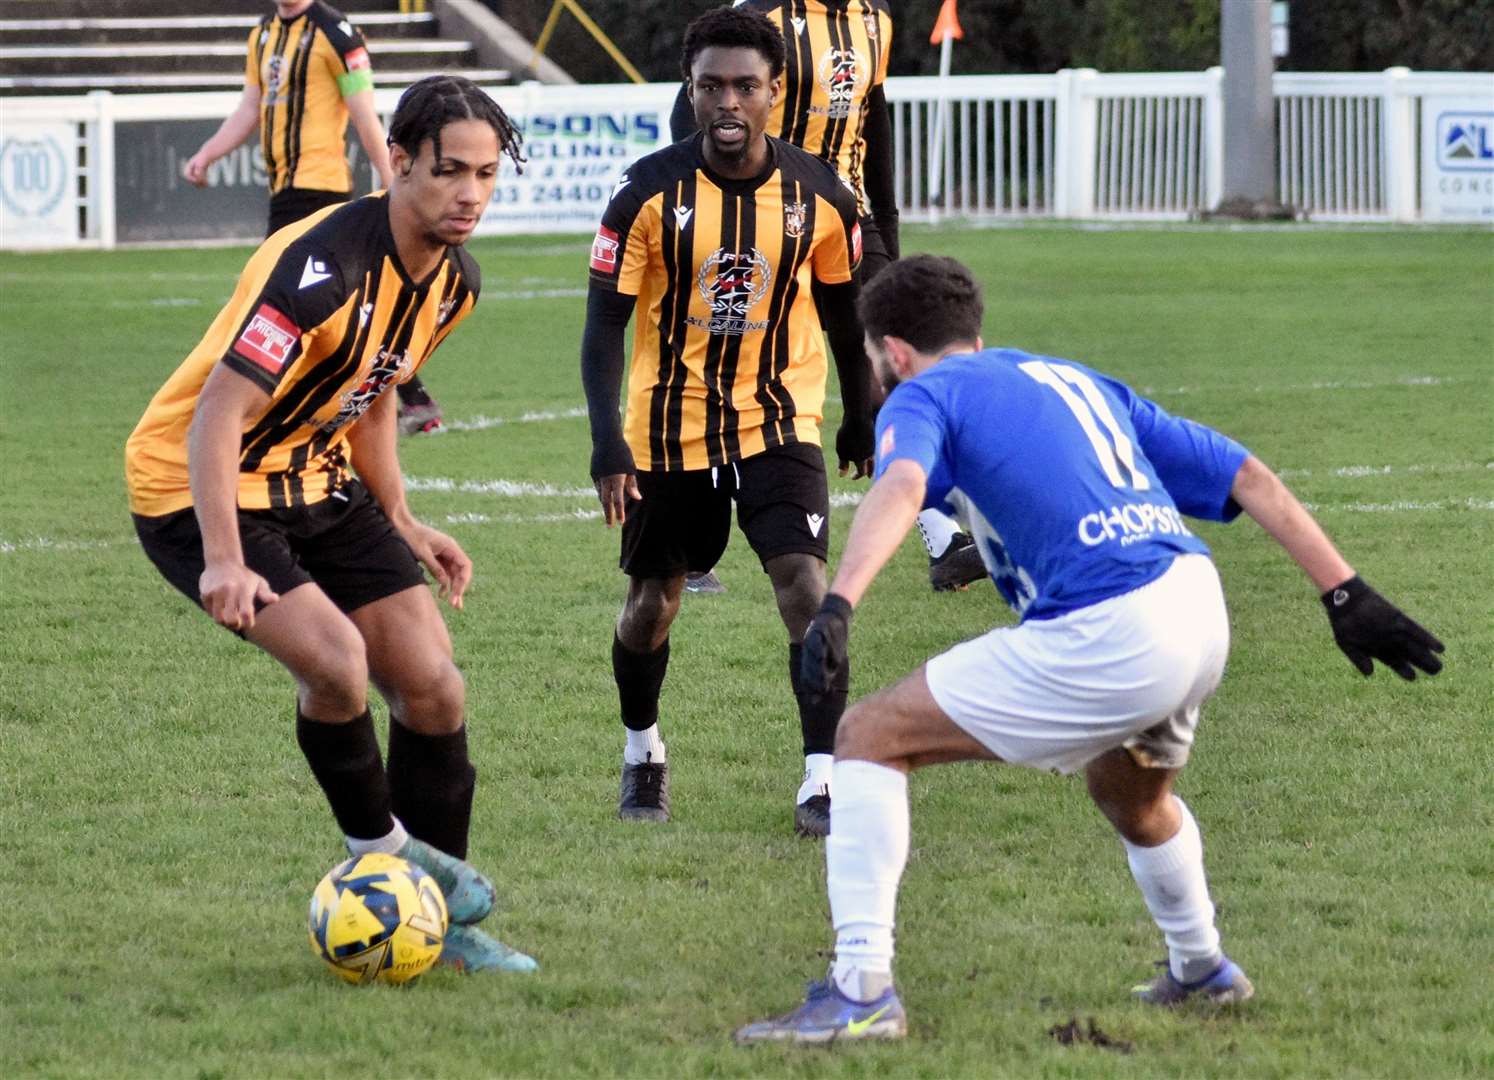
(304, 67)
(837, 54)
(324, 319)
(728, 355)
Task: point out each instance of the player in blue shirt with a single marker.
(1076, 489)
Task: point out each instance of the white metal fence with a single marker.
(1388, 146)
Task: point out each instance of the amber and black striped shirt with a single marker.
(728, 354)
(304, 67)
(324, 319)
(837, 55)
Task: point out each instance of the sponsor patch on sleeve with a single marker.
(856, 244)
(604, 250)
(357, 60)
(889, 442)
(269, 341)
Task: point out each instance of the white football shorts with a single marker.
(1130, 671)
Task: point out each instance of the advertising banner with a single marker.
(577, 141)
(1457, 158)
(39, 184)
(154, 203)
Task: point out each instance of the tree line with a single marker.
(1039, 36)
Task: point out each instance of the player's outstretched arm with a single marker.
(1366, 626)
(612, 470)
(882, 520)
(227, 587)
(373, 439)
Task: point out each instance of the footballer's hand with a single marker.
(614, 492)
(229, 592)
(444, 558)
(855, 447)
(825, 643)
(194, 169)
(1369, 627)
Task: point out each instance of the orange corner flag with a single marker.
(947, 25)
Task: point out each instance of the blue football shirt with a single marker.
(1074, 486)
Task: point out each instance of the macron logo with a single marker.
(682, 216)
(314, 273)
(816, 523)
(798, 25)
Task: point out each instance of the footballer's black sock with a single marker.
(639, 677)
(345, 760)
(412, 392)
(432, 781)
(818, 720)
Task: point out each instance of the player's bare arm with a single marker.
(365, 121)
(228, 588)
(236, 127)
(1366, 626)
(373, 440)
(882, 520)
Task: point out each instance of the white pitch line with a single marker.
(508, 489)
(1155, 392)
(482, 423)
(1359, 472)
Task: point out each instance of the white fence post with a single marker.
(101, 215)
(1213, 140)
(1399, 146)
(1074, 157)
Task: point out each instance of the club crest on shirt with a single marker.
(794, 217)
(732, 283)
(274, 80)
(444, 311)
(387, 368)
(869, 20)
(842, 75)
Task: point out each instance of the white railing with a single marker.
(1074, 144)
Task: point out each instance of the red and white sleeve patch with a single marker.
(604, 250)
(856, 243)
(889, 442)
(357, 60)
(269, 340)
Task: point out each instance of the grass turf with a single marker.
(161, 835)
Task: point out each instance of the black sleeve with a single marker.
(881, 189)
(607, 315)
(837, 305)
(304, 289)
(682, 118)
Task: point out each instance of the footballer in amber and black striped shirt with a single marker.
(241, 477)
(717, 244)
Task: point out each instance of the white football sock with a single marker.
(1171, 877)
(937, 531)
(644, 746)
(864, 858)
(816, 776)
(386, 845)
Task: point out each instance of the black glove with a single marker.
(856, 444)
(1369, 627)
(610, 459)
(825, 646)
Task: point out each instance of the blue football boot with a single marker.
(469, 949)
(827, 1015)
(1227, 985)
(469, 895)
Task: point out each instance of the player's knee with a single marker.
(646, 617)
(334, 678)
(856, 734)
(431, 698)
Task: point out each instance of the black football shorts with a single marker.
(683, 522)
(344, 544)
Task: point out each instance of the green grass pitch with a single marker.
(160, 835)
